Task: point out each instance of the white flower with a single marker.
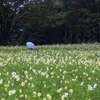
(62, 98)
(13, 74)
(8, 82)
(32, 85)
(44, 85)
(71, 90)
(27, 76)
(30, 68)
(13, 91)
(47, 76)
(1, 81)
(76, 70)
(16, 76)
(20, 91)
(25, 72)
(54, 84)
(86, 74)
(61, 82)
(52, 73)
(66, 94)
(57, 76)
(21, 96)
(89, 87)
(42, 73)
(34, 71)
(65, 82)
(93, 71)
(57, 53)
(30, 78)
(7, 73)
(79, 66)
(47, 68)
(63, 77)
(25, 81)
(10, 92)
(42, 58)
(59, 90)
(70, 63)
(75, 57)
(22, 84)
(94, 85)
(1, 63)
(64, 72)
(82, 83)
(39, 94)
(26, 96)
(60, 70)
(73, 80)
(44, 82)
(34, 92)
(49, 96)
(29, 84)
(39, 71)
(11, 84)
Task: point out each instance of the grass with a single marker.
(50, 72)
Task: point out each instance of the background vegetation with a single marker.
(49, 21)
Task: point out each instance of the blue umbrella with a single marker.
(30, 45)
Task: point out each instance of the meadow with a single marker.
(50, 72)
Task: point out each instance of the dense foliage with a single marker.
(49, 21)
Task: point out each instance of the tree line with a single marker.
(49, 21)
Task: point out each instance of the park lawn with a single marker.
(50, 72)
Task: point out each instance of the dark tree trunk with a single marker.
(73, 37)
(98, 36)
(98, 33)
(65, 35)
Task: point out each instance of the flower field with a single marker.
(50, 72)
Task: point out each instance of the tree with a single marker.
(83, 18)
(10, 16)
(45, 24)
(36, 27)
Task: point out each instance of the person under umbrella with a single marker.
(30, 45)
